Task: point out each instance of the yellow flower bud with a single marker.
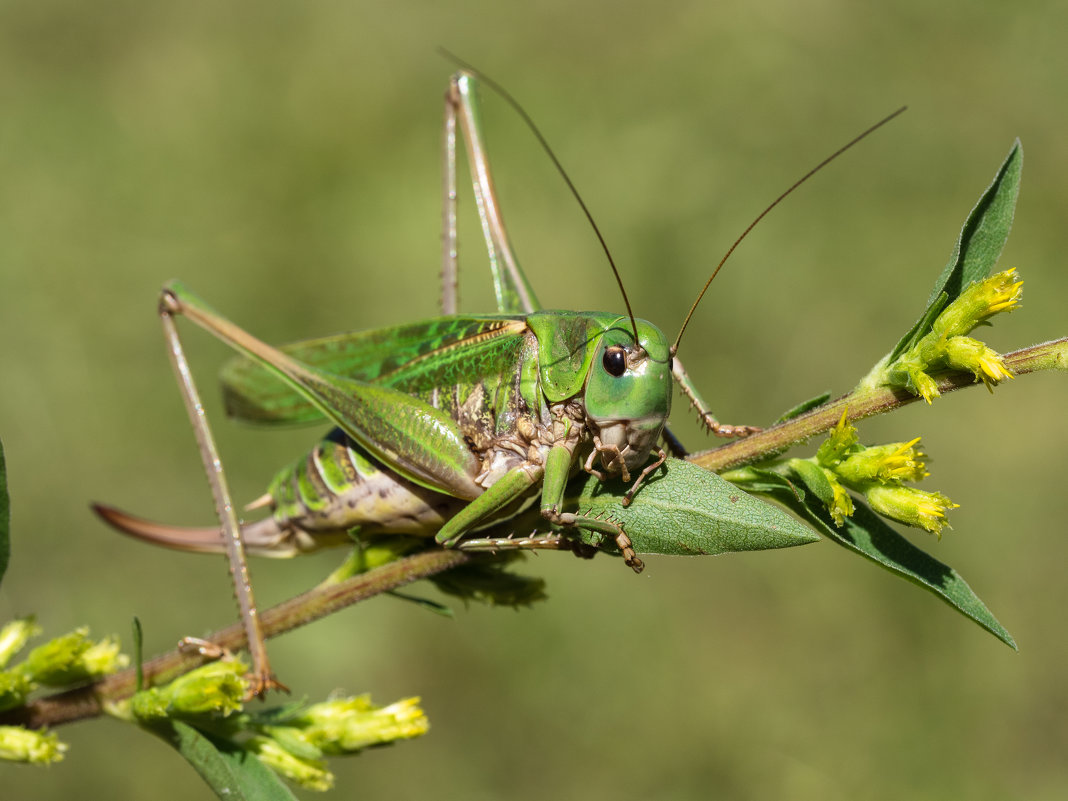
(900, 461)
(14, 636)
(216, 688)
(841, 506)
(310, 774)
(978, 301)
(965, 353)
(35, 746)
(945, 346)
(841, 440)
(914, 507)
(345, 725)
(15, 685)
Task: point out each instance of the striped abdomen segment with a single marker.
(338, 486)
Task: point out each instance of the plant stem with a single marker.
(863, 403)
(92, 700)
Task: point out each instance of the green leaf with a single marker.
(234, 774)
(139, 653)
(688, 511)
(5, 518)
(985, 231)
(867, 534)
(815, 479)
(980, 244)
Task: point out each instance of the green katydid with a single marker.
(446, 426)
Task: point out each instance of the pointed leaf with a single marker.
(815, 479)
(867, 534)
(688, 511)
(233, 774)
(979, 245)
(983, 236)
(139, 653)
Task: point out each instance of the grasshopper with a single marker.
(443, 427)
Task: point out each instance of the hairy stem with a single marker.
(863, 403)
(92, 700)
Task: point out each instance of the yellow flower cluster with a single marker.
(878, 473)
(946, 346)
(293, 744)
(296, 749)
(64, 660)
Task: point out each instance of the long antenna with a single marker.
(511, 101)
(774, 203)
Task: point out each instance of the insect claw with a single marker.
(630, 558)
(259, 685)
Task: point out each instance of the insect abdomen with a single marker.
(338, 486)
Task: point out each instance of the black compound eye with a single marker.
(615, 361)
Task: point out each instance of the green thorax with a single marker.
(417, 359)
(571, 351)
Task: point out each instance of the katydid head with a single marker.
(628, 392)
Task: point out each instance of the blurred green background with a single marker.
(283, 159)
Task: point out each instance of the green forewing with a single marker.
(255, 395)
(420, 442)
